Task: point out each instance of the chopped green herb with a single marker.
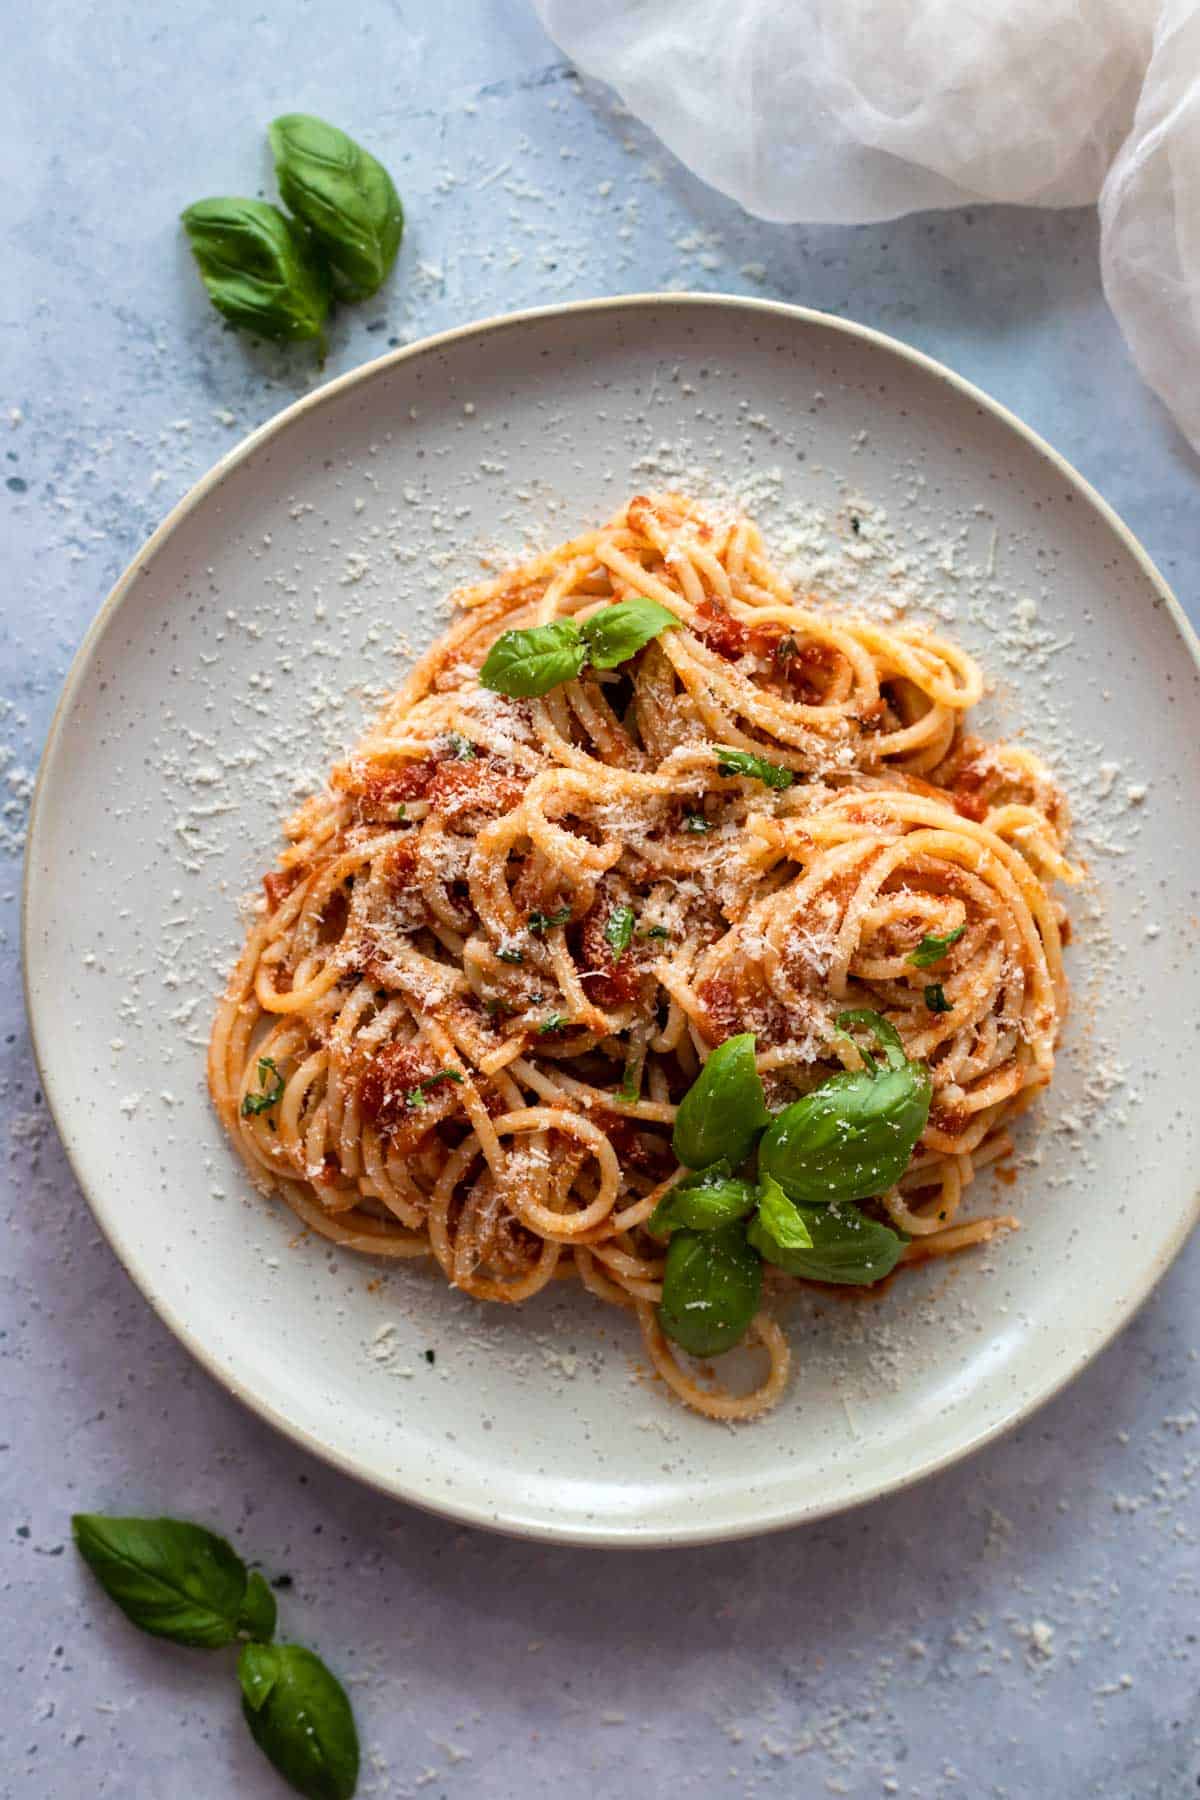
(540, 922)
(631, 1081)
(461, 748)
(553, 1022)
(653, 931)
(935, 998)
(271, 1085)
(509, 956)
(755, 768)
(401, 814)
(696, 822)
(618, 931)
(415, 1097)
(785, 649)
(431, 1356)
(932, 948)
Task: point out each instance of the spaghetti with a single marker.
(435, 1043)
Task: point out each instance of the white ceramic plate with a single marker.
(229, 665)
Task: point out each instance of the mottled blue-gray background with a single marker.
(1025, 1625)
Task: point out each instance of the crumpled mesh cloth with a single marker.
(845, 111)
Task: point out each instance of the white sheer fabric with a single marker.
(843, 111)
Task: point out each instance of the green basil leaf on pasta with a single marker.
(844, 1246)
(345, 197)
(528, 663)
(935, 998)
(724, 1110)
(170, 1578)
(259, 268)
(853, 1136)
(932, 948)
(781, 1217)
(712, 1283)
(703, 1201)
(755, 768)
(618, 931)
(300, 1718)
(616, 633)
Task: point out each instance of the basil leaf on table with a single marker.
(528, 663)
(300, 1718)
(712, 1283)
(257, 1613)
(616, 633)
(172, 1579)
(932, 948)
(704, 1201)
(755, 768)
(724, 1110)
(843, 1247)
(345, 197)
(259, 268)
(852, 1137)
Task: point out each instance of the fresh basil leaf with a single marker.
(703, 1201)
(172, 1579)
(256, 1615)
(782, 1217)
(552, 1022)
(712, 1283)
(844, 1246)
(528, 663)
(935, 998)
(300, 1718)
(757, 768)
(345, 197)
(259, 268)
(271, 1086)
(932, 948)
(724, 1110)
(618, 931)
(616, 633)
(539, 922)
(853, 1136)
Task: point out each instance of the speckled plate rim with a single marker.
(39, 1000)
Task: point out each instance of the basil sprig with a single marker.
(259, 268)
(345, 197)
(712, 1282)
(179, 1581)
(703, 1201)
(300, 1719)
(529, 662)
(822, 1243)
(932, 948)
(852, 1137)
(755, 768)
(724, 1110)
